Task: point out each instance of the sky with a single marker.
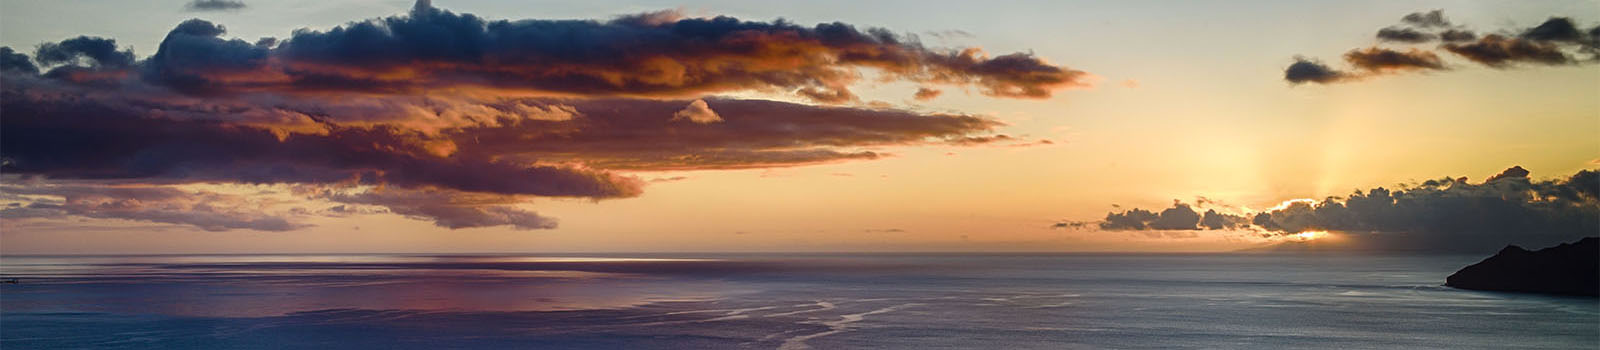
(394, 126)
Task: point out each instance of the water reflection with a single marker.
(793, 301)
(266, 285)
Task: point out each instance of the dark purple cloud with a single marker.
(1404, 35)
(654, 54)
(1430, 19)
(69, 137)
(1179, 217)
(1456, 35)
(10, 60)
(1379, 60)
(1500, 52)
(428, 114)
(1555, 29)
(1555, 41)
(445, 146)
(205, 210)
(1306, 70)
(449, 209)
(94, 51)
(214, 5)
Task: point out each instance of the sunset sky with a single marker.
(670, 130)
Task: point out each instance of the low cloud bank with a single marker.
(1445, 214)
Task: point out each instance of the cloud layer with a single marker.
(209, 211)
(456, 119)
(1556, 41)
(661, 54)
(214, 5)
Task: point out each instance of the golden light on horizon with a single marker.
(1310, 235)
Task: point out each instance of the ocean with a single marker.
(773, 301)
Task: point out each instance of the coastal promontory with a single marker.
(1567, 269)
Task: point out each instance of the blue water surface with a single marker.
(790, 301)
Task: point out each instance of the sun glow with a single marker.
(1287, 203)
(1311, 235)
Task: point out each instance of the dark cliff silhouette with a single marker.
(1569, 269)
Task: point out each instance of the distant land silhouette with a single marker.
(1411, 243)
(1569, 269)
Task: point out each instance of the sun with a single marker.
(1311, 235)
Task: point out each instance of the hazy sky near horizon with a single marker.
(1177, 100)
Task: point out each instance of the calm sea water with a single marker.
(709, 301)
